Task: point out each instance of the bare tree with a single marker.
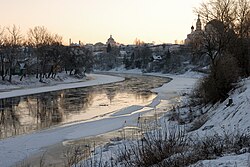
(221, 10)
(38, 39)
(2, 54)
(216, 40)
(47, 49)
(38, 36)
(243, 18)
(12, 42)
(228, 19)
(55, 53)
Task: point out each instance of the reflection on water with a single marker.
(26, 114)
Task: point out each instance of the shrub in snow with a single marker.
(219, 82)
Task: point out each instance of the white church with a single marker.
(195, 35)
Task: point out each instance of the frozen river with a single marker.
(26, 114)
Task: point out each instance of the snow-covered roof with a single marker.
(157, 57)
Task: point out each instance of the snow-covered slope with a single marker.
(222, 119)
(242, 160)
(233, 117)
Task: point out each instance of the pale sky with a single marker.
(91, 21)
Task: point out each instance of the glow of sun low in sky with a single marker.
(91, 21)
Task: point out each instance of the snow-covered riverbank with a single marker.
(13, 150)
(27, 89)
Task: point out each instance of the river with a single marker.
(27, 114)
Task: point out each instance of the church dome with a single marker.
(192, 27)
(215, 24)
(111, 41)
(111, 38)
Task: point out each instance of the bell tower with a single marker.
(198, 24)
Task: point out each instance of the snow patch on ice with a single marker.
(128, 110)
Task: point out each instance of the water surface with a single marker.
(26, 114)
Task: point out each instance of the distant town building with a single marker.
(111, 41)
(89, 46)
(75, 44)
(99, 46)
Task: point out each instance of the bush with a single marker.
(176, 148)
(156, 147)
(219, 82)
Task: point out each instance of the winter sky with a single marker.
(93, 21)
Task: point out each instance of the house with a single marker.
(99, 46)
(21, 67)
(156, 57)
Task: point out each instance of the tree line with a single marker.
(39, 53)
